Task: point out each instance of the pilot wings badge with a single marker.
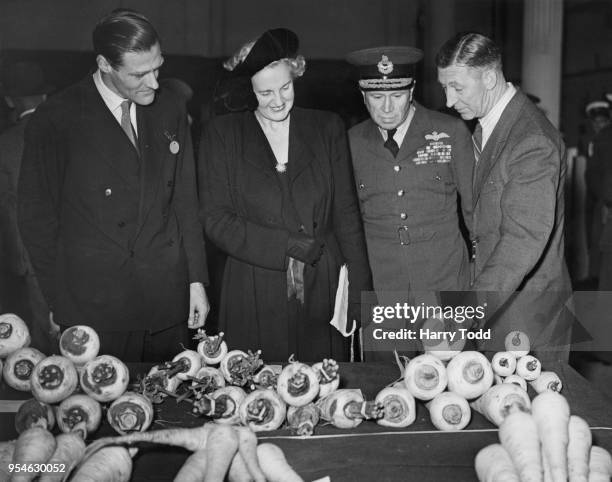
(434, 136)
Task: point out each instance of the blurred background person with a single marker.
(278, 196)
(24, 88)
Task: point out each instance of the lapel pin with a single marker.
(174, 146)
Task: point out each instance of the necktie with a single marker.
(390, 143)
(126, 122)
(477, 141)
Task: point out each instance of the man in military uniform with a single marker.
(410, 163)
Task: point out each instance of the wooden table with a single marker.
(369, 452)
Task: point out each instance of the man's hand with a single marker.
(198, 306)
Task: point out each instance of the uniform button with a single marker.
(169, 184)
(438, 178)
(400, 192)
(108, 192)
(403, 215)
(396, 168)
(121, 224)
(361, 186)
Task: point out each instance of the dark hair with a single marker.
(123, 30)
(470, 49)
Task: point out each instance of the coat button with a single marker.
(396, 168)
(108, 192)
(361, 185)
(400, 192)
(121, 224)
(403, 216)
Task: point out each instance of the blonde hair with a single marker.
(297, 65)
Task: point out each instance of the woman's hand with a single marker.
(304, 248)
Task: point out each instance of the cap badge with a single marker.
(385, 66)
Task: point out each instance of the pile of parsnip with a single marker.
(545, 444)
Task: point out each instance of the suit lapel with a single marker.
(257, 150)
(496, 142)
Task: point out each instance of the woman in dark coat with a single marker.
(278, 197)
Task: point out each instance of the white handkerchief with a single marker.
(339, 320)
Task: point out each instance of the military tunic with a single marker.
(409, 203)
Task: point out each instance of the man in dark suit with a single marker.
(24, 88)
(518, 210)
(107, 201)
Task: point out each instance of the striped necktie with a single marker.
(477, 141)
(390, 143)
(126, 123)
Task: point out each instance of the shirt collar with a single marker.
(401, 129)
(111, 99)
(489, 121)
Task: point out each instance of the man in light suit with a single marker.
(107, 201)
(518, 209)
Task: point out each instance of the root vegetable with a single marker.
(298, 384)
(53, 379)
(263, 410)
(34, 414)
(327, 373)
(399, 407)
(516, 380)
(528, 367)
(518, 434)
(493, 464)
(69, 451)
(239, 368)
(500, 400)
(551, 414)
(547, 381)
(442, 349)
(18, 367)
(34, 446)
(194, 468)
(14, 334)
(267, 377)
(157, 384)
(449, 411)
(208, 379)
(425, 376)
(211, 348)
(274, 464)
(469, 374)
(221, 447)
(131, 412)
(189, 361)
(600, 465)
(498, 380)
(517, 343)
(192, 439)
(238, 471)
(110, 464)
(503, 363)
(247, 447)
(302, 420)
(222, 405)
(346, 408)
(105, 378)
(79, 344)
(6, 456)
(578, 449)
(78, 409)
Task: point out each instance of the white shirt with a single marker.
(401, 129)
(489, 121)
(113, 101)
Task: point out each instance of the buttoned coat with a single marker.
(246, 215)
(113, 236)
(518, 226)
(409, 203)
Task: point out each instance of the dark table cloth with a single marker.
(369, 452)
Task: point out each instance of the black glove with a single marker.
(354, 313)
(304, 248)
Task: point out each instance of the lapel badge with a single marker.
(434, 136)
(385, 66)
(174, 146)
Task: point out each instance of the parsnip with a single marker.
(600, 465)
(194, 468)
(247, 448)
(469, 374)
(578, 449)
(500, 400)
(528, 367)
(110, 464)
(547, 381)
(34, 446)
(14, 334)
(517, 343)
(33, 413)
(518, 434)
(551, 414)
(493, 464)
(399, 407)
(503, 363)
(274, 464)
(449, 411)
(516, 380)
(69, 451)
(221, 446)
(18, 367)
(425, 376)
